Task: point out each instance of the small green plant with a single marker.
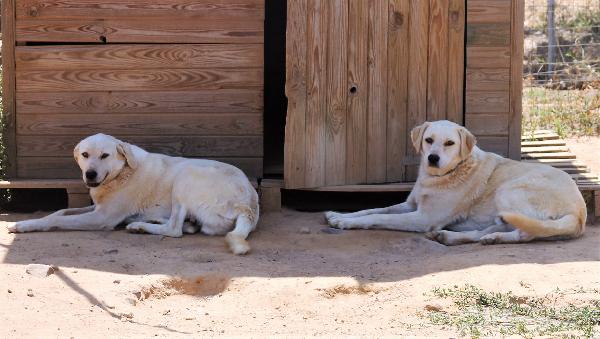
(479, 313)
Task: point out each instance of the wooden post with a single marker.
(270, 195)
(8, 88)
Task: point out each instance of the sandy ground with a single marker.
(298, 280)
(587, 150)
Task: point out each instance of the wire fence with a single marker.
(562, 66)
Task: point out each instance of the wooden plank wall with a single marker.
(493, 75)
(185, 79)
(360, 75)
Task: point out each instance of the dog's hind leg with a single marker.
(512, 237)
(236, 239)
(172, 228)
(456, 238)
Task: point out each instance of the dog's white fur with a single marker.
(477, 196)
(156, 193)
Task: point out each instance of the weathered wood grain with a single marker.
(488, 34)
(516, 79)
(488, 11)
(487, 102)
(295, 89)
(66, 168)
(135, 9)
(317, 89)
(8, 88)
(356, 156)
(377, 98)
(145, 30)
(139, 56)
(140, 124)
(397, 92)
(456, 60)
(498, 145)
(196, 101)
(437, 69)
(417, 76)
(192, 146)
(487, 124)
(488, 79)
(138, 80)
(488, 57)
(337, 91)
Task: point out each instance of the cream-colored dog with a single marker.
(464, 194)
(155, 193)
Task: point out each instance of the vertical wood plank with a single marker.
(516, 80)
(437, 72)
(356, 138)
(295, 89)
(316, 101)
(8, 88)
(377, 102)
(456, 60)
(398, 58)
(417, 78)
(337, 75)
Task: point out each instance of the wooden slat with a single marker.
(295, 89)
(196, 101)
(559, 163)
(488, 34)
(316, 102)
(400, 187)
(8, 88)
(498, 145)
(488, 57)
(488, 80)
(544, 149)
(541, 137)
(437, 70)
(487, 102)
(487, 124)
(140, 124)
(516, 78)
(377, 98)
(337, 80)
(488, 11)
(43, 183)
(138, 80)
(66, 168)
(152, 9)
(397, 92)
(139, 56)
(192, 146)
(356, 156)
(456, 60)
(541, 143)
(143, 30)
(417, 75)
(557, 155)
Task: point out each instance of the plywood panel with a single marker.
(198, 101)
(139, 56)
(487, 102)
(488, 57)
(295, 89)
(397, 93)
(487, 124)
(138, 80)
(488, 34)
(356, 156)
(377, 98)
(62, 146)
(337, 80)
(492, 79)
(488, 11)
(142, 124)
(498, 145)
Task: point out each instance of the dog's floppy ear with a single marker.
(467, 142)
(416, 135)
(125, 150)
(76, 152)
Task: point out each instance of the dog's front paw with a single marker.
(439, 236)
(24, 226)
(135, 227)
(14, 228)
(343, 223)
(489, 239)
(332, 215)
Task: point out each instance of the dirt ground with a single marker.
(298, 280)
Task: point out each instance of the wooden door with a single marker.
(360, 75)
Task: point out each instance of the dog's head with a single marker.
(442, 145)
(102, 157)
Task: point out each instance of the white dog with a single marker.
(155, 193)
(464, 194)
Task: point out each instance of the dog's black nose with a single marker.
(91, 175)
(433, 159)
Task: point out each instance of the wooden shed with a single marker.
(187, 78)
(362, 73)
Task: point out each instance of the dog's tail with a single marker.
(244, 224)
(568, 225)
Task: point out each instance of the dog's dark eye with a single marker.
(104, 156)
(429, 141)
(85, 154)
(449, 143)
